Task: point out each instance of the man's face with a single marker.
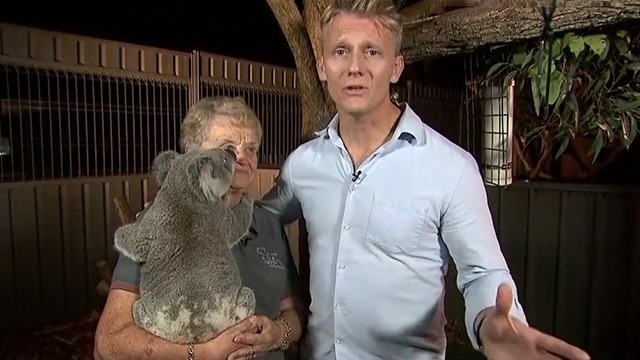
(359, 61)
(244, 142)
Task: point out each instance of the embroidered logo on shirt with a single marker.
(271, 259)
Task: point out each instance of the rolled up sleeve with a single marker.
(467, 230)
(281, 199)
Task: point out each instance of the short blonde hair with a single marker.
(205, 114)
(384, 11)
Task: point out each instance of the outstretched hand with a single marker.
(505, 337)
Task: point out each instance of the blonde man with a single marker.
(263, 257)
(388, 202)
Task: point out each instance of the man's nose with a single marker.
(356, 64)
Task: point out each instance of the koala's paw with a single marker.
(246, 304)
(125, 242)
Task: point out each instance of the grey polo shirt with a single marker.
(263, 257)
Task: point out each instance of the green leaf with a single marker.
(527, 59)
(627, 105)
(556, 49)
(597, 43)
(576, 45)
(533, 132)
(535, 92)
(621, 45)
(497, 68)
(519, 56)
(556, 82)
(563, 147)
(597, 145)
(634, 66)
(633, 131)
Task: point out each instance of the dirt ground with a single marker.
(73, 340)
(69, 340)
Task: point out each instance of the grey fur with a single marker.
(190, 286)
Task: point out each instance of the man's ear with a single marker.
(162, 164)
(320, 67)
(398, 66)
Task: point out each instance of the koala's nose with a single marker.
(231, 152)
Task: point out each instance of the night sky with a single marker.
(244, 29)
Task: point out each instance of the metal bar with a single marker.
(111, 152)
(164, 115)
(103, 147)
(148, 164)
(85, 142)
(79, 165)
(31, 135)
(135, 84)
(51, 136)
(95, 128)
(155, 125)
(21, 136)
(125, 98)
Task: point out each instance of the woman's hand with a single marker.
(222, 345)
(268, 337)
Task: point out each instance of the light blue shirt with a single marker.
(379, 246)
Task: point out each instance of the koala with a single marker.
(190, 286)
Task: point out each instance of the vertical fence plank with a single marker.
(7, 276)
(94, 237)
(574, 250)
(514, 219)
(74, 252)
(493, 198)
(542, 257)
(633, 318)
(610, 276)
(112, 189)
(50, 242)
(26, 256)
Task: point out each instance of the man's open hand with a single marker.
(505, 337)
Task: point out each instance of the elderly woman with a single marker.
(263, 257)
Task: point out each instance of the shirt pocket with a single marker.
(396, 225)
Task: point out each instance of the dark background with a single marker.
(245, 29)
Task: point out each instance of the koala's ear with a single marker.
(162, 164)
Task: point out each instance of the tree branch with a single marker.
(499, 22)
(314, 110)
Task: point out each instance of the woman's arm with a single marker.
(118, 337)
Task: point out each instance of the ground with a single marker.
(73, 340)
(70, 340)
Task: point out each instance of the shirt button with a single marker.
(352, 188)
(347, 227)
(339, 341)
(341, 266)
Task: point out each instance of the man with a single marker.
(263, 258)
(387, 203)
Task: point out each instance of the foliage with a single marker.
(593, 88)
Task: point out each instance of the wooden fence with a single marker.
(53, 234)
(574, 252)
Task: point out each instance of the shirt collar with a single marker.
(409, 128)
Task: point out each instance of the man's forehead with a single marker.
(368, 28)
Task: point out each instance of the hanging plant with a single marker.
(584, 88)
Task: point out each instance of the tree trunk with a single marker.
(496, 22)
(315, 110)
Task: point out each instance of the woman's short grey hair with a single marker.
(208, 111)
